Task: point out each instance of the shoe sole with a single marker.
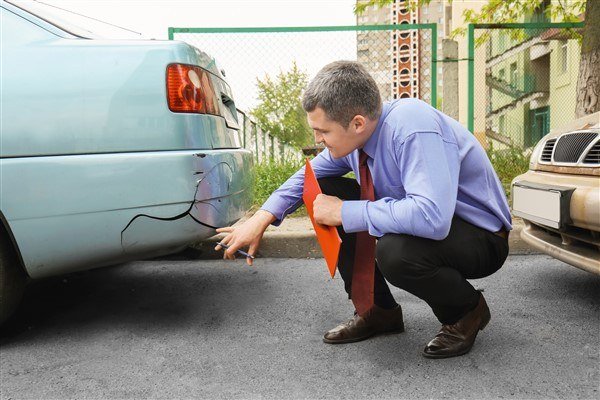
(360, 339)
(438, 356)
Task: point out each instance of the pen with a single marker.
(239, 251)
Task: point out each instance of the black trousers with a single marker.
(433, 270)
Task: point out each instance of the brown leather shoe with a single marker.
(375, 321)
(458, 338)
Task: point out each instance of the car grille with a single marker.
(569, 148)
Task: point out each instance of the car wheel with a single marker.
(12, 278)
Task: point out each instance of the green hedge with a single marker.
(270, 175)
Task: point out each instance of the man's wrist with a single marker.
(264, 218)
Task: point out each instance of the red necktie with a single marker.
(363, 275)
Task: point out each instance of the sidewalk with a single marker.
(295, 238)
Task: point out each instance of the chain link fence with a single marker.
(401, 58)
(264, 146)
(522, 77)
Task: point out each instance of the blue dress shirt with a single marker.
(426, 167)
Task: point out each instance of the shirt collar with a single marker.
(371, 146)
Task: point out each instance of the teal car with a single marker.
(111, 150)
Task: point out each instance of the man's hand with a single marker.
(247, 234)
(328, 210)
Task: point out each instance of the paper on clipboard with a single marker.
(327, 236)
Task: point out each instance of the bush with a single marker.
(269, 175)
(508, 163)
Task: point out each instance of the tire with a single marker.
(12, 278)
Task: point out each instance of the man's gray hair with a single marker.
(342, 90)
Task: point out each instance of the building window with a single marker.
(426, 10)
(564, 57)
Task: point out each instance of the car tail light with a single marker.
(190, 90)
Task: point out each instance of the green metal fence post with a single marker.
(471, 78)
(344, 28)
(434, 66)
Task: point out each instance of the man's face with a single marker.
(340, 140)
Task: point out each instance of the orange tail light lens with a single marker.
(190, 90)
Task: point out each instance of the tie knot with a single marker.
(362, 157)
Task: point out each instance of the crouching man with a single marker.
(427, 213)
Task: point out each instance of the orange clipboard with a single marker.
(327, 236)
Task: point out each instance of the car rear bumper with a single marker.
(86, 211)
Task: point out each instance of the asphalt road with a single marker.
(210, 329)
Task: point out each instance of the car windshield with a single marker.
(74, 23)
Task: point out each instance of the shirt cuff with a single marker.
(273, 206)
(277, 208)
(354, 216)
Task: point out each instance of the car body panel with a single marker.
(95, 168)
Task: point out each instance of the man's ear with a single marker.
(358, 123)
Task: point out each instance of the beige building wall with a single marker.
(436, 12)
(457, 21)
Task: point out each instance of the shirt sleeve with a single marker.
(430, 176)
(288, 197)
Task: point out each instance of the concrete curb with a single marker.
(295, 238)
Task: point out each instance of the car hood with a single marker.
(591, 122)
